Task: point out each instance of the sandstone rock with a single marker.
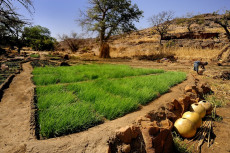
(206, 88)
(64, 64)
(163, 142)
(142, 118)
(176, 104)
(194, 91)
(4, 67)
(153, 130)
(148, 141)
(173, 116)
(166, 124)
(66, 57)
(169, 106)
(200, 91)
(126, 148)
(135, 131)
(160, 141)
(184, 103)
(192, 101)
(188, 88)
(124, 134)
(145, 124)
(191, 95)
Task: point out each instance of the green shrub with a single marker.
(35, 55)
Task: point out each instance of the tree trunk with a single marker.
(104, 47)
(227, 32)
(104, 50)
(19, 50)
(161, 36)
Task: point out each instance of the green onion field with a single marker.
(75, 98)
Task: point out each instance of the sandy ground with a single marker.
(16, 134)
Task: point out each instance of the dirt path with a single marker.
(15, 113)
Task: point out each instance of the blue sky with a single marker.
(60, 15)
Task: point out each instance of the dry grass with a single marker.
(214, 30)
(195, 53)
(177, 29)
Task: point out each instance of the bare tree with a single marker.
(9, 16)
(161, 22)
(11, 23)
(72, 41)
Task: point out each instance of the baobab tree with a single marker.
(108, 17)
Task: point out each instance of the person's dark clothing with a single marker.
(199, 63)
(196, 66)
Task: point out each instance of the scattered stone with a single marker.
(126, 148)
(191, 95)
(166, 124)
(124, 134)
(206, 88)
(219, 64)
(188, 88)
(4, 67)
(66, 57)
(64, 64)
(135, 131)
(145, 124)
(148, 141)
(153, 130)
(184, 102)
(163, 142)
(142, 118)
(169, 106)
(173, 116)
(176, 104)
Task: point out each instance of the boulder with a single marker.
(64, 64)
(169, 106)
(135, 131)
(126, 148)
(166, 124)
(66, 57)
(124, 134)
(188, 88)
(173, 116)
(163, 142)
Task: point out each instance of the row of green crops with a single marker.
(75, 106)
(53, 75)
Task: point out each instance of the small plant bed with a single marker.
(10, 67)
(35, 55)
(72, 99)
(42, 63)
